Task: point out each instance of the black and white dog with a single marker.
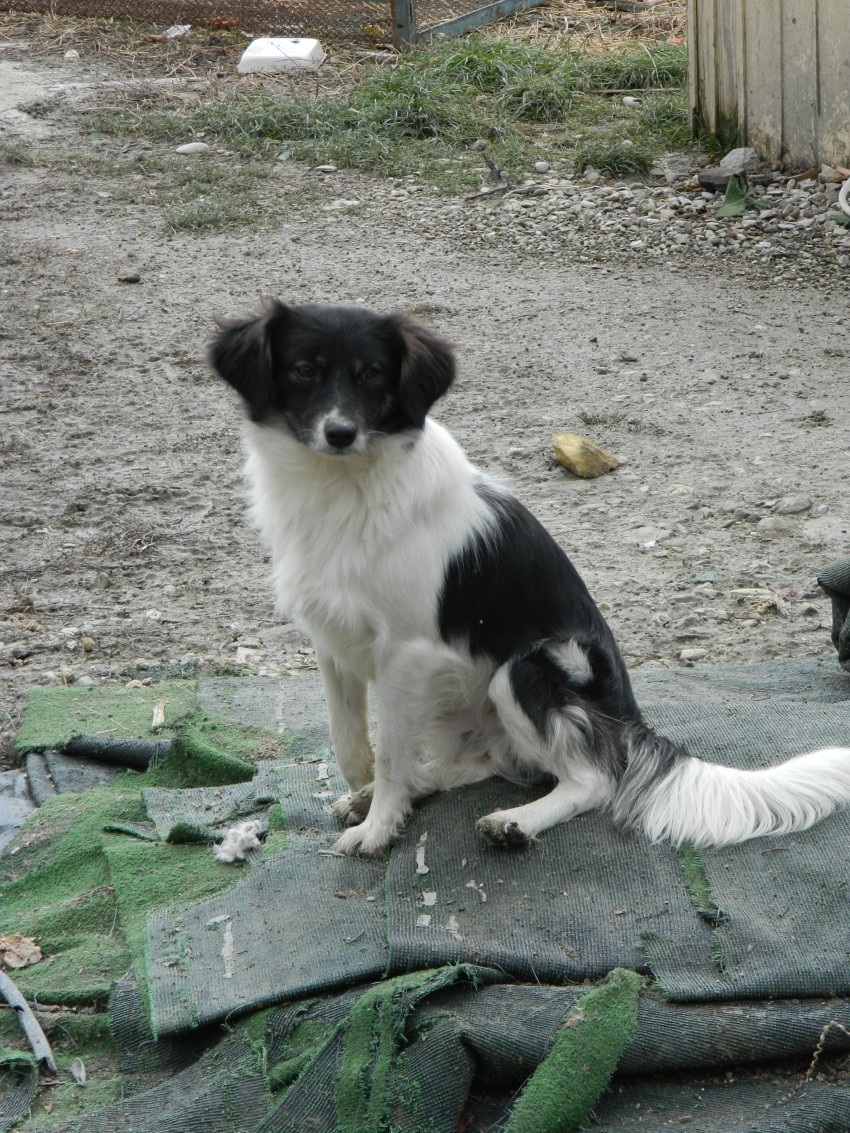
(411, 569)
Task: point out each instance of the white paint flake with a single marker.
(421, 868)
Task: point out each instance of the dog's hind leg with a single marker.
(353, 806)
(434, 776)
(552, 731)
(521, 825)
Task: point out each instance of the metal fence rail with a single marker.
(408, 30)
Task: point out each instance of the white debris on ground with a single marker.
(238, 841)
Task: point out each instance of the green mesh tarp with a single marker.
(18, 1085)
(784, 928)
(468, 1026)
(582, 901)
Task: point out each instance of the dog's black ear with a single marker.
(427, 369)
(241, 353)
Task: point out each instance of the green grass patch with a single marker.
(422, 114)
(205, 195)
(20, 154)
(620, 158)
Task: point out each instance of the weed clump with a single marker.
(422, 114)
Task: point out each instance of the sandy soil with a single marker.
(124, 542)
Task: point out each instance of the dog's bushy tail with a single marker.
(671, 795)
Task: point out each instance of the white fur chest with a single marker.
(359, 544)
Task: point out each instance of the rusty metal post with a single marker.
(404, 23)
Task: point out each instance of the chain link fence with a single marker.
(372, 21)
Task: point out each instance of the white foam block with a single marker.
(280, 55)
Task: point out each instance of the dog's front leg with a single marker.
(402, 706)
(348, 718)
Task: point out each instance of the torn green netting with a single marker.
(66, 881)
(431, 1052)
(389, 1066)
(779, 905)
(201, 814)
(18, 1085)
(370, 1085)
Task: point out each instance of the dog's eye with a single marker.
(306, 371)
(373, 373)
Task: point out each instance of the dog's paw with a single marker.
(363, 842)
(353, 807)
(499, 829)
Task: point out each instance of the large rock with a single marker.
(581, 456)
(739, 161)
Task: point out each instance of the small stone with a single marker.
(86, 681)
(129, 277)
(692, 655)
(793, 505)
(88, 644)
(581, 456)
(541, 167)
(326, 169)
(773, 526)
(193, 147)
(71, 56)
(341, 203)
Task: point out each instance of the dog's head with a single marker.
(337, 377)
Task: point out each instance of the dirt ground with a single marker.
(717, 388)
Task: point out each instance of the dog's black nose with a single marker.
(340, 434)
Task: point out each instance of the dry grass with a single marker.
(582, 25)
(568, 25)
(139, 51)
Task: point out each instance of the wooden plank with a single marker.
(741, 67)
(762, 31)
(704, 56)
(779, 70)
(708, 65)
(730, 93)
(800, 82)
(693, 66)
(834, 75)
